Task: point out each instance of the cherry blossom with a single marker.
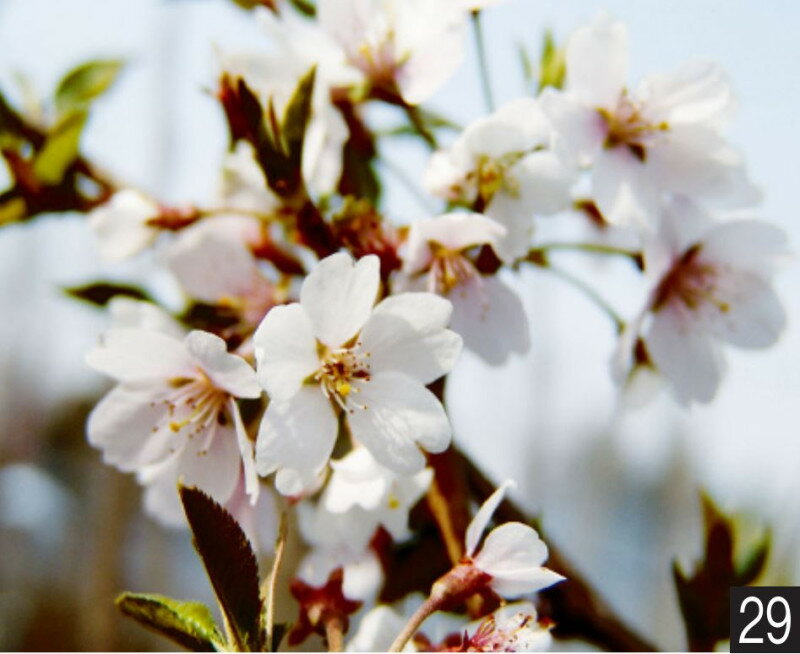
(173, 414)
(439, 257)
(664, 136)
(512, 628)
(412, 46)
(510, 165)
(121, 224)
(712, 286)
(333, 354)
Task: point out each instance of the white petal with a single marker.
(686, 356)
(339, 295)
(132, 354)
(136, 314)
(581, 129)
(299, 482)
(544, 182)
(597, 61)
(399, 415)
(509, 211)
(122, 425)
(624, 188)
(479, 523)
(513, 555)
(490, 318)
(495, 137)
(286, 351)
(228, 371)
(297, 434)
(406, 333)
(751, 245)
(376, 630)
(251, 485)
(120, 225)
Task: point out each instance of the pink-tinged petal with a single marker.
(517, 219)
(213, 268)
(338, 296)
(490, 318)
(227, 371)
(406, 334)
(697, 92)
(529, 117)
(751, 245)
(251, 485)
(513, 555)
(286, 351)
(139, 354)
(130, 426)
(297, 434)
(398, 415)
(597, 61)
(686, 356)
(495, 137)
(484, 515)
(624, 189)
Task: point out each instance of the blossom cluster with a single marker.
(308, 363)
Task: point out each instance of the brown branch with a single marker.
(575, 607)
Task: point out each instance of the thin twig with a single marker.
(272, 581)
(431, 605)
(595, 248)
(486, 82)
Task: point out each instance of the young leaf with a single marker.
(296, 117)
(60, 148)
(553, 65)
(101, 293)
(190, 624)
(231, 566)
(82, 84)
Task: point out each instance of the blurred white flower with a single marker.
(509, 164)
(120, 225)
(173, 414)
(384, 496)
(511, 555)
(486, 312)
(411, 45)
(666, 136)
(511, 628)
(333, 354)
(243, 186)
(713, 285)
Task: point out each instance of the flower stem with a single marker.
(429, 606)
(595, 248)
(418, 122)
(334, 633)
(486, 83)
(269, 600)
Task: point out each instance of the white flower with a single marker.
(511, 628)
(340, 540)
(385, 497)
(413, 45)
(713, 284)
(506, 163)
(214, 265)
(333, 354)
(665, 136)
(120, 224)
(512, 554)
(486, 312)
(243, 186)
(173, 414)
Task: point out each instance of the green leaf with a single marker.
(101, 293)
(296, 117)
(305, 7)
(12, 210)
(190, 624)
(60, 148)
(83, 84)
(553, 65)
(231, 566)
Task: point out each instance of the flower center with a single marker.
(626, 126)
(194, 406)
(492, 175)
(692, 283)
(449, 269)
(339, 371)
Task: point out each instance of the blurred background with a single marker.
(617, 490)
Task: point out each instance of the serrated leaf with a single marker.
(190, 624)
(101, 293)
(231, 566)
(296, 117)
(60, 149)
(83, 84)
